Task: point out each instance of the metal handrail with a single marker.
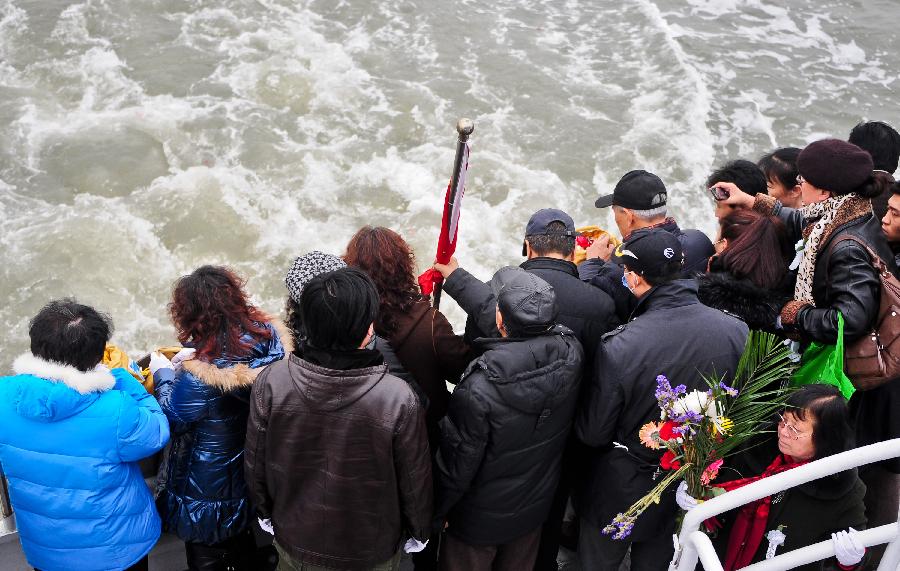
(689, 539)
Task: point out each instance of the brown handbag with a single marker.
(874, 359)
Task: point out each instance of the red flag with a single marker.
(449, 227)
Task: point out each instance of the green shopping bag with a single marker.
(825, 364)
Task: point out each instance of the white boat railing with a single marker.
(695, 545)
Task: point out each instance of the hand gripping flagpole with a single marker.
(447, 240)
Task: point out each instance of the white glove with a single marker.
(186, 353)
(848, 549)
(159, 361)
(413, 545)
(684, 500)
(266, 525)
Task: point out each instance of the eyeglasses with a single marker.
(800, 179)
(792, 430)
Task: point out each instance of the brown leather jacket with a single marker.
(339, 460)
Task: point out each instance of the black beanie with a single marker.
(834, 165)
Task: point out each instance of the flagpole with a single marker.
(464, 128)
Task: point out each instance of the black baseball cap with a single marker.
(527, 303)
(637, 190)
(652, 252)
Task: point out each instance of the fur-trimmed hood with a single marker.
(46, 391)
(225, 379)
(96, 381)
(242, 374)
(757, 307)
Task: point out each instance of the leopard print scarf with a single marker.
(823, 218)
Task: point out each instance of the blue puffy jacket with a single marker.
(69, 445)
(201, 493)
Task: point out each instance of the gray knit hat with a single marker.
(307, 267)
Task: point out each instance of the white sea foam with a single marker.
(291, 124)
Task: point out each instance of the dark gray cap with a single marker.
(527, 303)
(540, 220)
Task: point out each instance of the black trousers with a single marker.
(599, 552)
(517, 555)
(238, 553)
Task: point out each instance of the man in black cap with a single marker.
(882, 142)
(503, 437)
(549, 245)
(670, 333)
(639, 201)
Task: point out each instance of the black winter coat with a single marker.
(755, 306)
(845, 279)
(671, 334)
(607, 276)
(809, 513)
(503, 437)
(587, 311)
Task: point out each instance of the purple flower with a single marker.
(730, 391)
(621, 526)
(688, 417)
(684, 429)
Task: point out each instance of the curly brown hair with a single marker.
(210, 310)
(389, 261)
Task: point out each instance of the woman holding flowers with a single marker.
(814, 425)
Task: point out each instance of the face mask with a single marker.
(625, 282)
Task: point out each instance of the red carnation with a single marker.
(668, 461)
(667, 430)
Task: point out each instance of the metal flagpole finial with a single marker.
(465, 127)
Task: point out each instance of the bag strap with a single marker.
(879, 264)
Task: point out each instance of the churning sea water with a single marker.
(142, 138)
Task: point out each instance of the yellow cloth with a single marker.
(114, 357)
(592, 232)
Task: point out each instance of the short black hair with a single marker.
(895, 188)
(666, 273)
(881, 140)
(781, 165)
(337, 308)
(746, 175)
(544, 244)
(67, 332)
(832, 433)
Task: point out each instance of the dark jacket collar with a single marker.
(676, 293)
(339, 360)
(550, 264)
(669, 225)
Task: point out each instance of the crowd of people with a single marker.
(330, 440)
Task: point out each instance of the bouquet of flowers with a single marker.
(699, 429)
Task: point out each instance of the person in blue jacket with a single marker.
(71, 435)
(201, 493)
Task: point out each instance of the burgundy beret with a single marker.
(835, 165)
